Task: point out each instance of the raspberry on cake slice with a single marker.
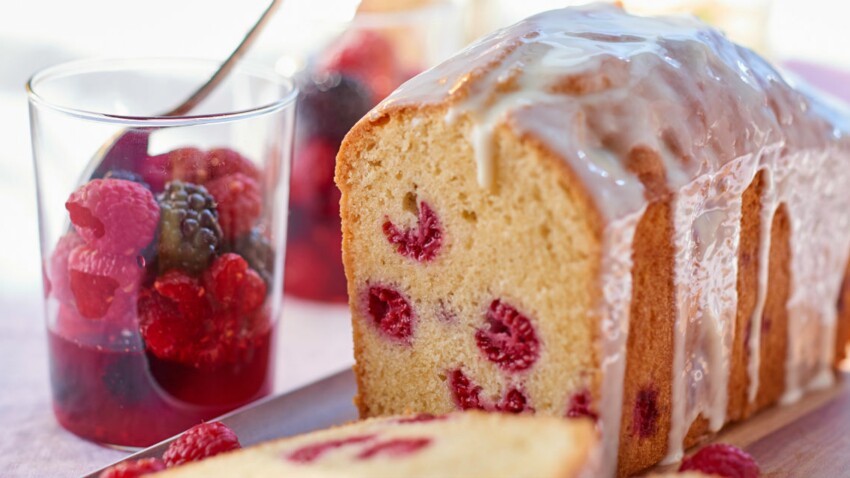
(414, 446)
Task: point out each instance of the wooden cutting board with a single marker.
(809, 439)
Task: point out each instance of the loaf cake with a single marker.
(594, 214)
(417, 446)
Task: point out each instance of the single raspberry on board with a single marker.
(238, 201)
(189, 228)
(199, 442)
(114, 215)
(722, 460)
(233, 285)
(102, 284)
(133, 468)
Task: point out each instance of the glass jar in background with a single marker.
(161, 254)
(379, 51)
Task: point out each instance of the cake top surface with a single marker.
(599, 86)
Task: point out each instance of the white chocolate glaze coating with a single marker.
(594, 84)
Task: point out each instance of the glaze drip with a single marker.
(593, 84)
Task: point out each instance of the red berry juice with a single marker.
(125, 397)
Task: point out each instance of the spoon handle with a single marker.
(228, 64)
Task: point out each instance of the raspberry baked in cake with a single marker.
(459, 444)
(593, 214)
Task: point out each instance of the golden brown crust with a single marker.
(774, 329)
(748, 267)
(649, 351)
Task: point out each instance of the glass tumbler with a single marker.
(341, 82)
(162, 241)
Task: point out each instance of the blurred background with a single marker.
(305, 38)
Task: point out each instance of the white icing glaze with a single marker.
(768, 209)
(593, 84)
(616, 278)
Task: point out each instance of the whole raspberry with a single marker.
(168, 333)
(313, 175)
(368, 56)
(222, 162)
(233, 285)
(420, 243)
(58, 269)
(199, 442)
(102, 284)
(329, 105)
(185, 291)
(722, 460)
(391, 313)
(114, 215)
(133, 468)
(466, 395)
(258, 252)
(238, 201)
(189, 228)
(509, 340)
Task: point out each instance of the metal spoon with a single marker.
(127, 146)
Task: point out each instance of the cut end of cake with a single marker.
(457, 444)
